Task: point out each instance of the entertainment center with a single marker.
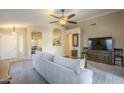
(100, 56)
(100, 50)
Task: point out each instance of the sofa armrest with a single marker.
(86, 76)
(61, 74)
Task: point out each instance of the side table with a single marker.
(4, 72)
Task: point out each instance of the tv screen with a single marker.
(104, 43)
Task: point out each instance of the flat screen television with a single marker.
(103, 43)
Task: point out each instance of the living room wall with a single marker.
(47, 38)
(104, 26)
(12, 45)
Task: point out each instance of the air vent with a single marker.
(93, 24)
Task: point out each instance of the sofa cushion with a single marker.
(46, 56)
(38, 52)
(73, 64)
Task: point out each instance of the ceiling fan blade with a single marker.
(70, 16)
(72, 22)
(54, 16)
(53, 22)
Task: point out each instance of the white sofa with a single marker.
(59, 70)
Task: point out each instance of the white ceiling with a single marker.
(26, 17)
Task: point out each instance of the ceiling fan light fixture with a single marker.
(63, 20)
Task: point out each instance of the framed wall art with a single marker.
(75, 40)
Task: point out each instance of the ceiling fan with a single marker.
(64, 19)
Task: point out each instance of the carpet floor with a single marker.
(22, 73)
(106, 74)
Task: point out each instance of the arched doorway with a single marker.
(36, 42)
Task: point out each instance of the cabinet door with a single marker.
(101, 57)
(108, 59)
(74, 53)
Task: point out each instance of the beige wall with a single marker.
(28, 43)
(20, 32)
(47, 39)
(107, 25)
(70, 32)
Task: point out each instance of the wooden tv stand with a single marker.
(100, 56)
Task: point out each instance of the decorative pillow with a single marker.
(73, 64)
(51, 57)
(82, 63)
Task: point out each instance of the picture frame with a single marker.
(75, 40)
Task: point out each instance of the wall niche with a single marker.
(57, 37)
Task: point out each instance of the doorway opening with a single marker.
(72, 45)
(36, 43)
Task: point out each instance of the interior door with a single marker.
(8, 46)
(21, 52)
